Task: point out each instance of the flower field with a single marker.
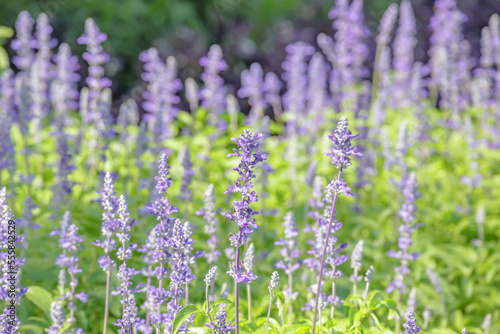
(355, 191)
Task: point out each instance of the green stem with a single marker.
(268, 313)
(249, 301)
(106, 305)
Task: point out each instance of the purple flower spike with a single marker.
(242, 214)
(404, 46)
(213, 93)
(220, 326)
(160, 97)
(295, 69)
(96, 58)
(290, 252)
(410, 325)
(342, 149)
(317, 92)
(64, 90)
(209, 213)
(252, 83)
(24, 43)
(11, 268)
(248, 150)
(187, 177)
(109, 202)
(407, 214)
(69, 241)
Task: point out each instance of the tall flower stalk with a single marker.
(340, 155)
(69, 241)
(290, 263)
(109, 203)
(275, 278)
(242, 214)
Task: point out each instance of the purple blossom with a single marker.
(295, 69)
(272, 88)
(404, 46)
(187, 177)
(9, 323)
(64, 90)
(7, 149)
(69, 241)
(24, 43)
(289, 251)
(316, 92)
(407, 214)
(57, 317)
(387, 24)
(252, 84)
(248, 150)
(209, 214)
(342, 149)
(213, 93)
(63, 187)
(160, 96)
(220, 326)
(109, 202)
(96, 58)
(410, 325)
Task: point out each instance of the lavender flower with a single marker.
(356, 263)
(410, 325)
(272, 88)
(220, 326)
(295, 68)
(69, 241)
(252, 82)
(242, 215)
(7, 149)
(340, 155)
(24, 43)
(316, 92)
(129, 318)
(57, 317)
(44, 44)
(64, 92)
(407, 214)
(96, 58)
(249, 258)
(404, 45)
(211, 275)
(163, 232)
(63, 188)
(160, 97)
(273, 284)
(350, 45)
(9, 322)
(187, 178)
(290, 252)
(213, 93)
(210, 215)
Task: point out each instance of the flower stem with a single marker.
(237, 292)
(268, 313)
(106, 305)
(365, 295)
(290, 306)
(323, 257)
(249, 301)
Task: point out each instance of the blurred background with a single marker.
(247, 30)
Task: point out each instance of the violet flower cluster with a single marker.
(209, 214)
(96, 81)
(290, 252)
(69, 242)
(242, 214)
(130, 319)
(408, 226)
(213, 93)
(160, 97)
(252, 83)
(109, 202)
(187, 177)
(10, 269)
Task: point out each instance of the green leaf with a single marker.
(4, 59)
(40, 298)
(280, 302)
(6, 32)
(182, 315)
(222, 301)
